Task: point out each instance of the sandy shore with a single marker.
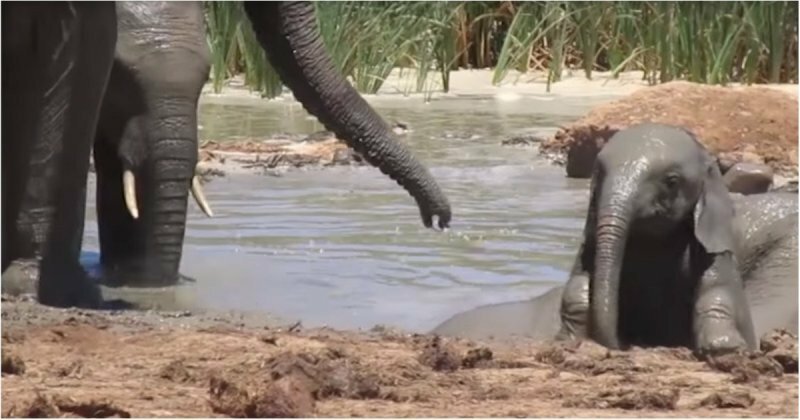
(400, 85)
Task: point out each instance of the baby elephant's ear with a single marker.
(714, 213)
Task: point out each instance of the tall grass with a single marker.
(708, 42)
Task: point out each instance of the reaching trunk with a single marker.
(288, 33)
(166, 182)
(142, 224)
(613, 214)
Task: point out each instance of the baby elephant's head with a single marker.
(652, 181)
(657, 177)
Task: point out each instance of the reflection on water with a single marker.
(345, 246)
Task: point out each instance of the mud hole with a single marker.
(148, 364)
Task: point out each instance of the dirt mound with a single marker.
(140, 364)
(744, 124)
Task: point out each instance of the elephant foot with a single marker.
(65, 287)
(21, 278)
(717, 337)
(574, 309)
(70, 287)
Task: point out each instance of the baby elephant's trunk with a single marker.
(613, 215)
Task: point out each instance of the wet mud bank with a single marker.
(752, 130)
(69, 362)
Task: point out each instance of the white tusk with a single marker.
(199, 197)
(129, 188)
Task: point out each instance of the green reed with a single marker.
(707, 42)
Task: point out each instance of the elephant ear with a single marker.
(714, 212)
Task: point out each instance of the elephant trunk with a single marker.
(288, 33)
(167, 180)
(613, 215)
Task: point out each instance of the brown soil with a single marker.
(150, 364)
(752, 124)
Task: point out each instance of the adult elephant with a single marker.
(145, 150)
(668, 257)
(58, 57)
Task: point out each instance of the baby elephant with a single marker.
(658, 263)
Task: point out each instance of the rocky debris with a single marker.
(747, 124)
(748, 178)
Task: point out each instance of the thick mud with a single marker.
(69, 362)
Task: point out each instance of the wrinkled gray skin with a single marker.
(656, 300)
(658, 258)
(148, 125)
(57, 58)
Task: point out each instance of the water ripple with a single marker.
(345, 246)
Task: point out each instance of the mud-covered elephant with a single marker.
(668, 258)
(57, 59)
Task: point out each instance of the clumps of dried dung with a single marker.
(589, 358)
(628, 399)
(478, 357)
(12, 364)
(444, 355)
(781, 345)
(45, 406)
(285, 397)
(330, 374)
(292, 383)
(440, 355)
(746, 366)
(176, 371)
(728, 398)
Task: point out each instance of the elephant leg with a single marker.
(575, 308)
(721, 319)
(771, 282)
(73, 43)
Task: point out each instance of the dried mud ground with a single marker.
(71, 362)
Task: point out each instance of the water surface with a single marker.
(345, 246)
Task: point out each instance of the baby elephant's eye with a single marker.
(672, 180)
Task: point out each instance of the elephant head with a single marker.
(289, 35)
(654, 182)
(146, 147)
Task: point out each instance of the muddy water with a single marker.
(345, 246)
